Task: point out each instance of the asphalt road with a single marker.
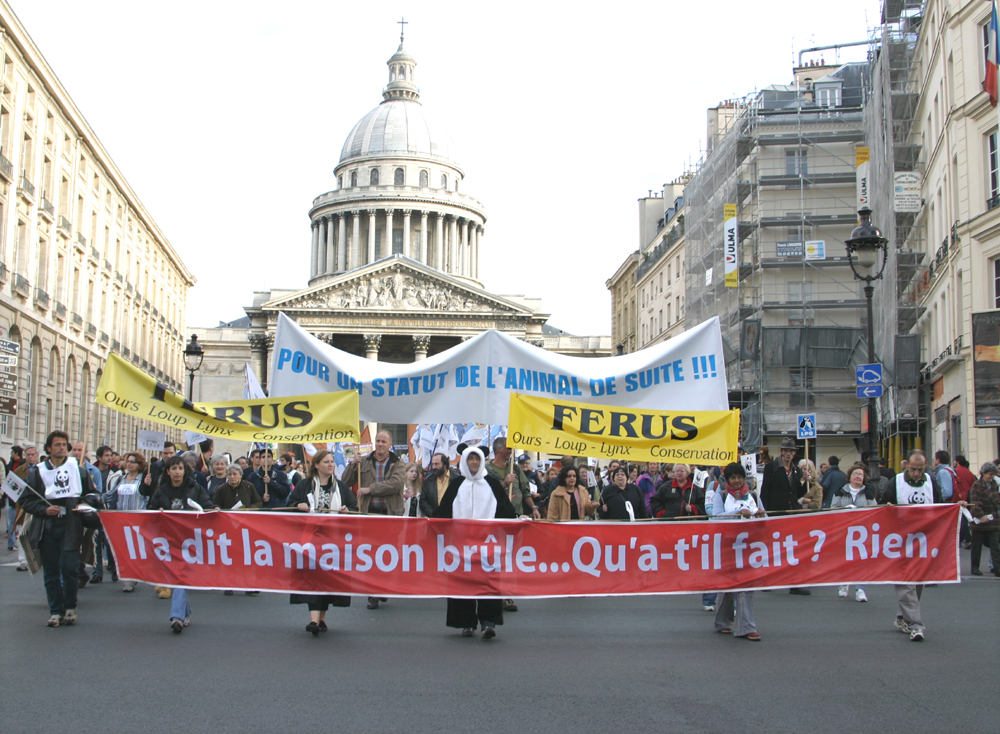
(643, 664)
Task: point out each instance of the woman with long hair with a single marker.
(179, 491)
(569, 500)
(412, 483)
(321, 491)
(123, 493)
(813, 497)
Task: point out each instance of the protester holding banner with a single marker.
(321, 492)
(677, 496)
(123, 495)
(735, 608)
(270, 482)
(152, 479)
(435, 485)
(219, 465)
(620, 497)
(858, 492)
(984, 504)
(813, 498)
(647, 482)
(54, 500)
(475, 496)
(512, 479)
(179, 491)
(569, 500)
(412, 486)
(237, 493)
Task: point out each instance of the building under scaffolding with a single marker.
(786, 158)
(890, 118)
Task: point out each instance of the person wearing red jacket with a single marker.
(964, 479)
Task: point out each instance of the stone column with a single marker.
(355, 238)
(469, 234)
(321, 249)
(342, 242)
(372, 343)
(314, 263)
(331, 253)
(453, 245)
(371, 236)
(421, 343)
(460, 249)
(390, 222)
(475, 253)
(407, 246)
(439, 250)
(423, 239)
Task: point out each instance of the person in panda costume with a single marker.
(475, 496)
(914, 486)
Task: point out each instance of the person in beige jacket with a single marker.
(569, 500)
(380, 477)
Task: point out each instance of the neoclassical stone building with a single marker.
(394, 257)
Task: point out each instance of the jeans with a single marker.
(179, 607)
(59, 569)
(708, 600)
(102, 548)
(11, 514)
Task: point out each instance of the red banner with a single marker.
(395, 556)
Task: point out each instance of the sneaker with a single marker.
(372, 602)
(489, 632)
(842, 592)
(860, 595)
(509, 605)
(54, 620)
(916, 635)
(901, 625)
(187, 620)
(753, 637)
(127, 586)
(177, 625)
(709, 607)
(467, 632)
(96, 579)
(22, 567)
(69, 618)
(163, 592)
(228, 592)
(724, 630)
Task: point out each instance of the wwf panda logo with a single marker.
(62, 479)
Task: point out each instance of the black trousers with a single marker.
(464, 613)
(991, 539)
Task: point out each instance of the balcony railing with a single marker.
(65, 226)
(107, 266)
(22, 285)
(126, 353)
(115, 345)
(41, 298)
(26, 186)
(993, 202)
(6, 168)
(103, 338)
(60, 311)
(119, 277)
(46, 206)
(81, 240)
(76, 321)
(3, 273)
(91, 330)
(94, 254)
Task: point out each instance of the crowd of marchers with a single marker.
(56, 524)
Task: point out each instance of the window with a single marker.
(423, 179)
(661, 319)
(444, 181)
(354, 179)
(398, 177)
(800, 379)
(796, 164)
(994, 168)
(373, 177)
(828, 97)
(996, 283)
(397, 242)
(669, 278)
(800, 290)
(340, 181)
(669, 319)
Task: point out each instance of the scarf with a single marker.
(738, 494)
(475, 499)
(327, 500)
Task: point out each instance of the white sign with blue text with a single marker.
(806, 426)
(473, 381)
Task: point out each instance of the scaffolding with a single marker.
(892, 97)
(786, 158)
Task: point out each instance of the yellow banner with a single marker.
(861, 155)
(322, 418)
(583, 429)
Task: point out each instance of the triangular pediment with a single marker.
(396, 284)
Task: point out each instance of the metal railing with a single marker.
(60, 311)
(103, 338)
(91, 330)
(107, 266)
(41, 298)
(26, 186)
(46, 206)
(6, 167)
(21, 284)
(81, 240)
(76, 320)
(65, 225)
(993, 202)
(94, 254)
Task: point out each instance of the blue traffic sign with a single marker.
(868, 374)
(806, 425)
(870, 391)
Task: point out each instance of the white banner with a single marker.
(14, 486)
(472, 381)
(729, 245)
(150, 441)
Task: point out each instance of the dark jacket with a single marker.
(227, 495)
(278, 488)
(615, 500)
(166, 495)
(429, 495)
(505, 509)
(214, 483)
(74, 522)
(670, 500)
(781, 490)
(832, 481)
(305, 487)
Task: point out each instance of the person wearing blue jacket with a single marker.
(270, 482)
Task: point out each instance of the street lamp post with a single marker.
(193, 356)
(863, 249)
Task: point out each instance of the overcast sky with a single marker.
(227, 118)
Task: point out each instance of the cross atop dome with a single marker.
(401, 68)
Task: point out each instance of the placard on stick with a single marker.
(151, 441)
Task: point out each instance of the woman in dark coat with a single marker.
(320, 490)
(615, 495)
(677, 496)
(177, 490)
(475, 495)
